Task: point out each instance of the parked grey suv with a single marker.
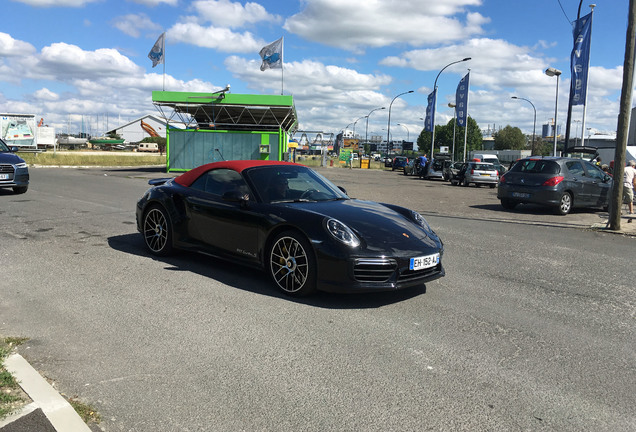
(558, 182)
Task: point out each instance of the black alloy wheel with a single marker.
(292, 264)
(157, 231)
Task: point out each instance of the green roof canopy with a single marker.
(228, 111)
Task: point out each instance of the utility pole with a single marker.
(623, 120)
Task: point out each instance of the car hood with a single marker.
(6, 157)
(378, 226)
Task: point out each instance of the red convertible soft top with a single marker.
(188, 178)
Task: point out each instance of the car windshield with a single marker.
(536, 166)
(484, 167)
(291, 183)
(3, 146)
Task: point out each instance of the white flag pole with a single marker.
(282, 64)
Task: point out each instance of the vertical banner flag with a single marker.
(430, 112)
(461, 101)
(272, 55)
(156, 54)
(580, 59)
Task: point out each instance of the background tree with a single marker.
(444, 137)
(510, 138)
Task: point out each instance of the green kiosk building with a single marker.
(225, 126)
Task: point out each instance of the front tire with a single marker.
(20, 189)
(292, 265)
(565, 204)
(157, 231)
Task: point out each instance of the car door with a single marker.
(218, 219)
(575, 181)
(597, 185)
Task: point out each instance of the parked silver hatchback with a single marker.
(478, 173)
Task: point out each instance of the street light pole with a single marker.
(366, 132)
(435, 99)
(534, 124)
(555, 72)
(407, 131)
(388, 129)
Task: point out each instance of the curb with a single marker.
(59, 415)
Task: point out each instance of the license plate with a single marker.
(485, 174)
(424, 262)
(4, 176)
(520, 195)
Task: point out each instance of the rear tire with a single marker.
(492, 186)
(465, 183)
(565, 204)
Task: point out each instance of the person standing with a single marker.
(629, 179)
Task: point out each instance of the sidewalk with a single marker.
(628, 225)
(49, 411)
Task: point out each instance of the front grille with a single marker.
(410, 275)
(374, 270)
(6, 168)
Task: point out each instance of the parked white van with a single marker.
(485, 157)
(148, 147)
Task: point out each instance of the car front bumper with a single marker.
(16, 177)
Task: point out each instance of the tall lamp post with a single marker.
(366, 132)
(435, 98)
(407, 131)
(388, 129)
(534, 125)
(555, 72)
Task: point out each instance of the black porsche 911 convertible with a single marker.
(292, 222)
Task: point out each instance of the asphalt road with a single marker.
(531, 329)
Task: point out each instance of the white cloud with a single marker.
(133, 24)
(232, 14)
(221, 39)
(10, 47)
(67, 62)
(356, 24)
(45, 94)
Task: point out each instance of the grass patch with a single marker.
(85, 411)
(10, 392)
(88, 158)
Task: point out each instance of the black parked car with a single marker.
(14, 172)
(558, 182)
(293, 223)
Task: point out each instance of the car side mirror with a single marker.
(607, 178)
(13, 149)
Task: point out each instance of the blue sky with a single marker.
(67, 59)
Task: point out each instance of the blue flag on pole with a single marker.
(157, 52)
(580, 59)
(461, 101)
(272, 55)
(430, 112)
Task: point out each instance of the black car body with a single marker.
(312, 236)
(14, 172)
(558, 182)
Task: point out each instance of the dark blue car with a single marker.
(14, 172)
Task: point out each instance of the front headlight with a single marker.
(419, 219)
(21, 165)
(342, 233)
